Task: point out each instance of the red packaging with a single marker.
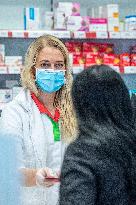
(125, 59)
(116, 60)
(111, 59)
(108, 59)
(92, 59)
(78, 59)
(133, 59)
(96, 48)
(89, 47)
(106, 48)
(74, 47)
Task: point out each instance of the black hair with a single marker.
(104, 115)
(100, 96)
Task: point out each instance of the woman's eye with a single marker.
(45, 65)
(59, 65)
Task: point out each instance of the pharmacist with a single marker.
(42, 118)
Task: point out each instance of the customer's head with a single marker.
(48, 52)
(100, 96)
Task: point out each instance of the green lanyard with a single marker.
(56, 130)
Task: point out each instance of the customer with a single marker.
(9, 175)
(100, 165)
(42, 117)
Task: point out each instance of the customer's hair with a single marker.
(63, 96)
(100, 96)
(104, 115)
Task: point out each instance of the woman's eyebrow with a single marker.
(60, 61)
(47, 61)
(44, 61)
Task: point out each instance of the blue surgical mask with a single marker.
(50, 81)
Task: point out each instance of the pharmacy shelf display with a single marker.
(68, 34)
(17, 42)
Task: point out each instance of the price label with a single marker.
(102, 34)
(114, 35)
(126, 35)
(3, 33)
(130, 69)
(18, 34)
(79, 34)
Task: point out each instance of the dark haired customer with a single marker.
(100, 166)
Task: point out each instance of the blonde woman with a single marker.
(41, 116)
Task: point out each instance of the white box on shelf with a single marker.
(14, 69)
(112, 10)
(102, 12)
(59, 20)
(69, 8)
(3, 69)
(113, 24)
(130, 69)
(49, 20)
(98, 24)
(5, 95)
(31, 18)
(13, 60)
(78, 23)
(2, 54)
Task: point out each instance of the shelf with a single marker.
(68, 34)
(32, 34)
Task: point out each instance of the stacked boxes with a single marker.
(63, 11)
(13, 63)
(78, 23)
(113, 17)
(2, 54)
(98, 24)
(31, 18)
(75, 50)
(49, 20)
(68, 8)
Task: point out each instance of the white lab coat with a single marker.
(22, 118)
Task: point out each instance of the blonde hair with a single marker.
(63, 96)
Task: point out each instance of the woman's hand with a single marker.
(47, 177)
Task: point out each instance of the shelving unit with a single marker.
(17, 40)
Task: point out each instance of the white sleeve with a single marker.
(11, 124)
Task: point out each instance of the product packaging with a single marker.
(2, 54)
(68, 8)
(133, 59)
(49, 20)
(59, 20)
(78, 23)
(125, 59)
(31, 18)
(13, 60)
(113, 11)
(98, 24)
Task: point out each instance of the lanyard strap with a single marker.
(56, 130)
